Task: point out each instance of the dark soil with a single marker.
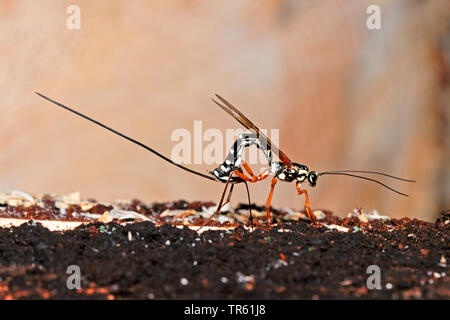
(50, 212)
(142, 261)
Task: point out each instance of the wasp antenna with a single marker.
(126, 137)
(365, 178)
(373, 172)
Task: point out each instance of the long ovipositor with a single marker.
(126, 137)
(231, 171)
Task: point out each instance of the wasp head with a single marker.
(295, 171)
(312, 178)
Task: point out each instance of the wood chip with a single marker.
(23, 195)
(177, 213)
(119, 214)
(72, 198)
(335, 226)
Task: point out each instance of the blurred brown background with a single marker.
(343, 96)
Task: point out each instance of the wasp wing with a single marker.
(242, 119)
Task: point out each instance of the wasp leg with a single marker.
(229, 196)
(220, 205)
(246, 179)
(260, 177)
(242, 176)
(269, 200)
(228, 199)
(254, 179)
(249, 204)
(309, 212)
(249, 201)
(247, 168)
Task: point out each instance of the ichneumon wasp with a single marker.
(231, 171)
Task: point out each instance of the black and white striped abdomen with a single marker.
(233, 160)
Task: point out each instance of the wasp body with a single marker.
(232, 170)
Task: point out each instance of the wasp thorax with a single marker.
(287, 173)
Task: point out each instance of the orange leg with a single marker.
(309, 212)
(247, 168)
(253, 179)
(221, 203)
(269, 199)
(260, 177)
